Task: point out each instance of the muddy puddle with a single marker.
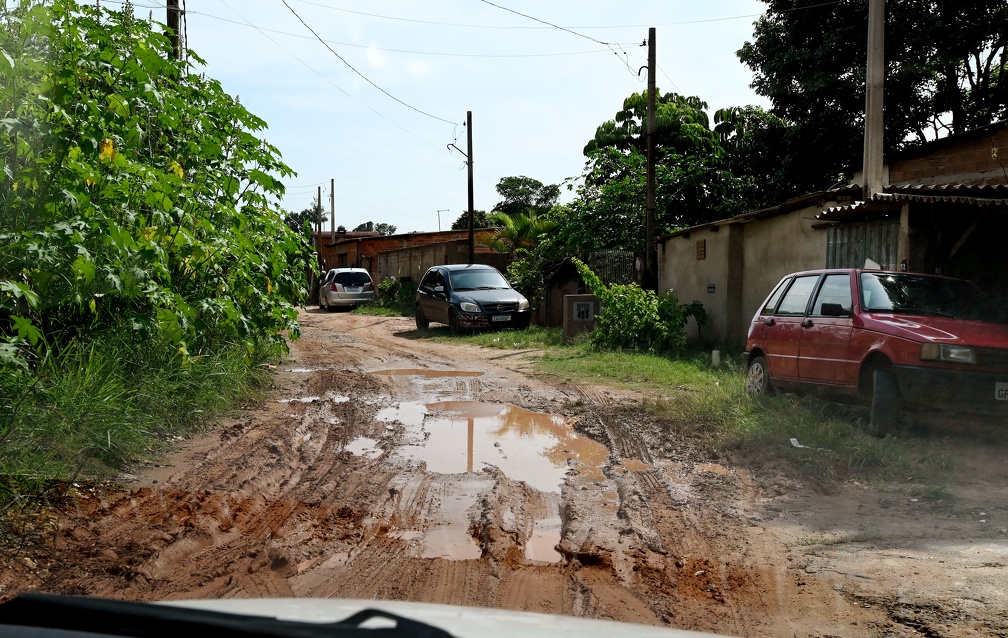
(455, 440)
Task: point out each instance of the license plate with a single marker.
(353, 288)
(1001, 391)
(502, 317)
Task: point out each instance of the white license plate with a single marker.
(353, 288)
(1001, 391)
(502, 317)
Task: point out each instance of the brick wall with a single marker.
(977, 157)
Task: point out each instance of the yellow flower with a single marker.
(107, 150)
(176, 168)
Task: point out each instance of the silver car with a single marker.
(346, 288)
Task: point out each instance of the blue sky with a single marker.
(382, 128)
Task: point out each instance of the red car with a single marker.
(898, 340)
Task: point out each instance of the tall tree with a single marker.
(520, 194)
(945, 72)
(381, 228)
(479, 220)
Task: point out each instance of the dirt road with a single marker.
(386, 466)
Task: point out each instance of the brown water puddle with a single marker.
(429, 374)
(463, 437)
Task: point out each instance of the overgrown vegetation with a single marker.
(145, 267)
(635, 319)
(395, 298)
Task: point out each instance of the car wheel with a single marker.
(422, 322)
(453, 322)
(323, 301)
(757, 381)
(885, 400)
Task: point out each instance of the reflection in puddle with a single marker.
(537, 448)
(363, 446)
(430, 374)
(408, 412)
(545, 537)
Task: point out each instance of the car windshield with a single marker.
(477, 280)
(922, 294)
(353, 278)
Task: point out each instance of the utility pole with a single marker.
(874, 99)
(318, 223)
(332, 208)
(173, 26)
(469, 160)
(649, 278)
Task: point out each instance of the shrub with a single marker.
(635, 319)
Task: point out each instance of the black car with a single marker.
(469, 296)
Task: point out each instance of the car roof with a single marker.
(348, 270)
(455, 267)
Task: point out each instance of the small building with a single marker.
(943, 209)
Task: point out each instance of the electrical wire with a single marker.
(364, 77)
(330, 82)
(408, 51)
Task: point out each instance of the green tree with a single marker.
(511, 233)
(380, 228)
(693, 183)
(522, 194)
(304, 221)
(945, 70)
(480, 220)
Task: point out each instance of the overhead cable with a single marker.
(366, 79)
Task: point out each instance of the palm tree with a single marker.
(512, 232)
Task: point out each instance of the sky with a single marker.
(373, 93)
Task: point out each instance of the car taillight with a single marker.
(333, 287)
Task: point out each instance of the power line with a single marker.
(550, 24)
(408, 51)
(366, 79)
(330, 82)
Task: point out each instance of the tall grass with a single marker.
(690, 396)
(93, 408)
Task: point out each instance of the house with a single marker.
(943, 209)
(404, 256)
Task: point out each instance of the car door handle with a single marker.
(807, 323)
(769, 322)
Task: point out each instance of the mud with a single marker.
(386, 466)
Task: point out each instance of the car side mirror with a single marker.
(834, 310)
(439, 289)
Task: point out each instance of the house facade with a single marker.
(943, 209)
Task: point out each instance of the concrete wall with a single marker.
(741, 263)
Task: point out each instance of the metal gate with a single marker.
(849, 246)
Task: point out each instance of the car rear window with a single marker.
(352, 278)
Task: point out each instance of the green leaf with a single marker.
(26, 330)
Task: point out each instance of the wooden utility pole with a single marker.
(649, 278)
(173, 23)
(332, 208)
(874, 100)
(469, 161)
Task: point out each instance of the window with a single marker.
(771, 303)
(796, 299)
(835, 290)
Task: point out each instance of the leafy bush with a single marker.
(134, 192)
(632, 318)
(397, 295)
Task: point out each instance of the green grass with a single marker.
(96, 407)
